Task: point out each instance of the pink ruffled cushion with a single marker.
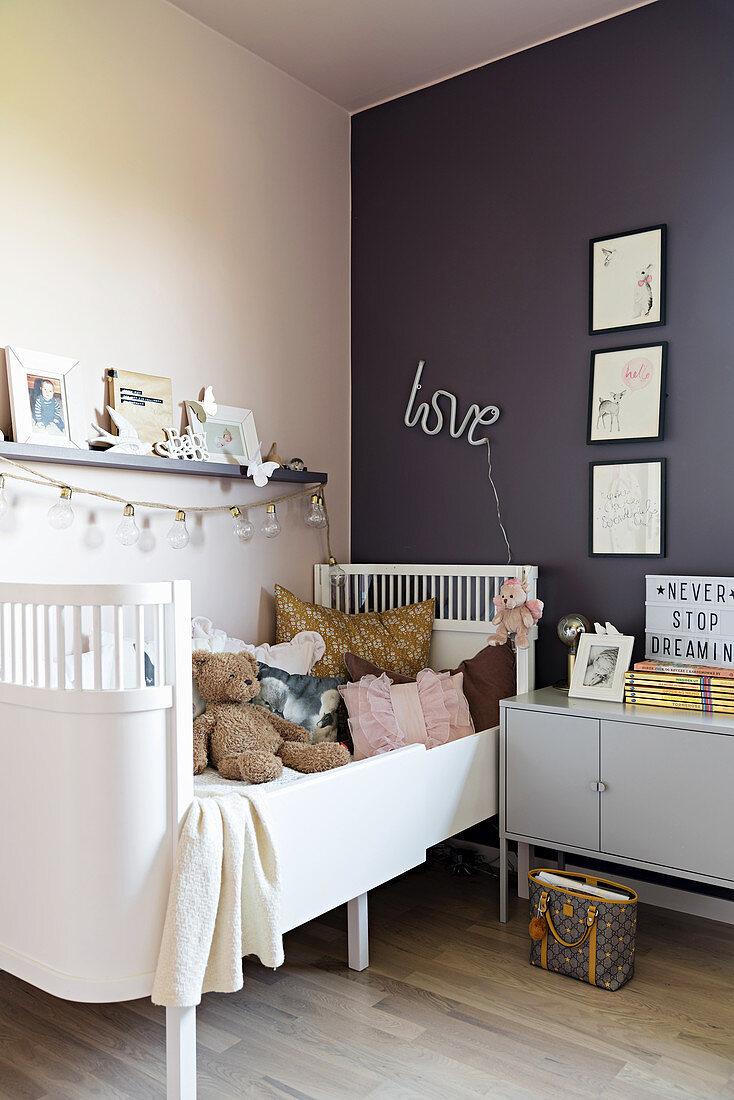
(385, 716)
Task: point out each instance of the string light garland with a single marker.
(61, 514)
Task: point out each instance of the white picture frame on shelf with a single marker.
(230, 434)
(46, 399)
(601, 662)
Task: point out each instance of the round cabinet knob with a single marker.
(597, 786)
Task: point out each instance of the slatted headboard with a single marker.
(464, 596)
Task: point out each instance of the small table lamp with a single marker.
(570, 628)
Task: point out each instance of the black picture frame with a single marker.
(663, 464)
(662, 228)
(630, 348)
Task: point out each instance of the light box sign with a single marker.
(690, 619)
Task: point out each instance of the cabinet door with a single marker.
(551, 761)
(669, 797)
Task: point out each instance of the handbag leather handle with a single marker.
(590, 921)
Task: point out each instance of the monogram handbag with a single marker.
(582, 935)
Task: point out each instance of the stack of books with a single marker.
(683, 687)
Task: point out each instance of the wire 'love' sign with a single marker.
(475, 417)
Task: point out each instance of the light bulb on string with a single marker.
(314, 516)
(337, 585)
(271, 526)
(146, 542)
(322, 509)
(4, 502)
(128, 532)
(61, 514)
(93, 536)
(178, 535)
(242, 528)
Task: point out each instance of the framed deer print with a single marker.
(627, 394)
(627, 280)
(627, 509)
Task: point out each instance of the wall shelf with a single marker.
(100, 459)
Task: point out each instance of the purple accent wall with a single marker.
(473, 204)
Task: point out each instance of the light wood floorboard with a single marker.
(448, 1009)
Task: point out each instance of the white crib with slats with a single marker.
(96, 738)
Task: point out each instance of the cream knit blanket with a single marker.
(224, 901)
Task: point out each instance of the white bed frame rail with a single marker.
(464, 603)
(95, 698)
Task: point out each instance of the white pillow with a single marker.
(296, 657)
(204, 635)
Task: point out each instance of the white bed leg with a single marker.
(181, 1053)
(357, 933)
(523, 866)
(503, 881)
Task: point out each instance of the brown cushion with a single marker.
(399, 638)
(488, 677)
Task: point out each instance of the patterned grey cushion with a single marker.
(310, 701)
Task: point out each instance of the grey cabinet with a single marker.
(552, 765)
(668, 797)
(650, 788)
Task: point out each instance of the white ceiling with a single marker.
(360, 52)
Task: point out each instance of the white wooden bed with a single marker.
(98, 766)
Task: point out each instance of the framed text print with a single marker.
(627, 509)
(627, 394)
(146, 402)
(627, 280)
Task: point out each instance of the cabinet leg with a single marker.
(523, 866)
(357, 933)
(181, 1053)
(503, 881)
(561, 861)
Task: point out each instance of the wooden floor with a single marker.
(449, 1009)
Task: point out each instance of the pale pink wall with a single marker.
(170, 203)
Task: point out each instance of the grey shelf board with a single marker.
(100, 459)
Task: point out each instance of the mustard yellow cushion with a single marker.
(399, 639)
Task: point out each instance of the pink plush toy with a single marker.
(515, 613)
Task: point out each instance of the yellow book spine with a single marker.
(710, 683)
(685, 690)
(678, 703)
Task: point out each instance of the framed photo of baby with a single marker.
(230, 433)
(601, 662)
(47, 403)
(627, 280)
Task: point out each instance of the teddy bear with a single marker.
(515, 614)
(245, 741)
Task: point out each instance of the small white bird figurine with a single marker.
(606, 629)
(258, 470)
(126, 442)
